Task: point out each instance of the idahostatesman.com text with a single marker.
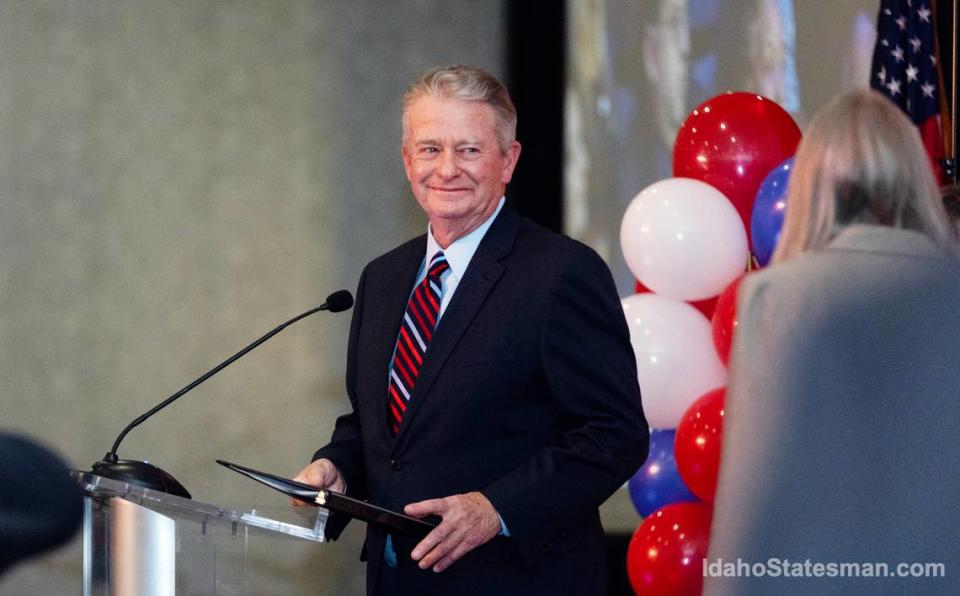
(775, 567)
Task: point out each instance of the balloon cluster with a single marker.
(688, 242)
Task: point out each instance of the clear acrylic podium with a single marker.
(141, 542)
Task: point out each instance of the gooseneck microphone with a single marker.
(147, 475)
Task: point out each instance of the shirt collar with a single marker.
(461, 250)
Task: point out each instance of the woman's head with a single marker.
(860, 161)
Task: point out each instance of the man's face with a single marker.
(454, 163)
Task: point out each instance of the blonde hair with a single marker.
(860, 161)
(467, 83)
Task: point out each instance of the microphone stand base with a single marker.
(142, 474)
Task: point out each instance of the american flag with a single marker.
(905, 68)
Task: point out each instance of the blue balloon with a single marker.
(770, 204)
(657, 482)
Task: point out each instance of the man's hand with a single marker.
(468, 521)
(322, 474)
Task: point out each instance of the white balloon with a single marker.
(676, 360)
(683, 239)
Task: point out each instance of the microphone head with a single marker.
(339, 301)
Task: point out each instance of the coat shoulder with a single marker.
(554, 251)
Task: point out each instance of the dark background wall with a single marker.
(536, 66)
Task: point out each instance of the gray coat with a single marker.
(842, 428)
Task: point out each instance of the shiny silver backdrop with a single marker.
(176, 178)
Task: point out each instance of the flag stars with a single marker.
(912, 73)
(900, 69)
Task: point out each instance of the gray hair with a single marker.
(467, 83)
(861, 161)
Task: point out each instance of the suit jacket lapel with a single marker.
(479, 279)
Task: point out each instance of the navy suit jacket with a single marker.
(528, 394)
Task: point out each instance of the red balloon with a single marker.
(706, 306)
(697, 442)
(732, 141)
(667, 550)
(724, 320)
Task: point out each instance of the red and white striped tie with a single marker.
(416, 331)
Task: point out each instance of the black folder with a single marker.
(337, 502)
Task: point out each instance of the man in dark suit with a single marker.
(490, 373)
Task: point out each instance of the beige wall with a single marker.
(177, 178)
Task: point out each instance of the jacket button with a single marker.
(395, 464)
